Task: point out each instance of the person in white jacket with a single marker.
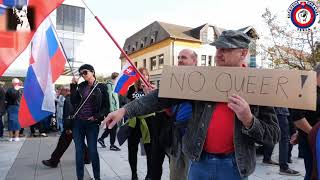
(59, 115)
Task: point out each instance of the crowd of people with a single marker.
(203, 140)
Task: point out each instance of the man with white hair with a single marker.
(13, 97)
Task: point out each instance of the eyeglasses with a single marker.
(182, 57)
(85, 72)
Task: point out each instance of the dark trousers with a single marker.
(307, 156)
(158, 151)
(63, 144)
(89, 130)
(1, 125)
(133, 143)
(112, 132)
(292, 130)
(283, 143)
(38, 125)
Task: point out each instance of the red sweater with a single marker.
(219, 137)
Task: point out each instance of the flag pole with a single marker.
(64, 52)
(115, 42)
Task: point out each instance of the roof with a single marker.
(180, 32)
(159, 31)
(250, 31)
(163, 31)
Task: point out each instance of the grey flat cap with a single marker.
(232, 39)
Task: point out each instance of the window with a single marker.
(141, 44)
(161, 61)
(145, 63)
(154, 37)
(153, 64)
(70, 18)
(145, 40)
(133, 48)
(253, 61)
(203, 60)
(136, 64)
(209, 60)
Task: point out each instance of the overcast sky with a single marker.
(126, 17)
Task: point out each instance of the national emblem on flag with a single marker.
(126, 78)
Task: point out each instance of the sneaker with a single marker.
(289, 172)
(290, 160)
(43, 135)
(16, 139)
(114, 148)
(101, 142)
(49, 163)
(33, 135)
(270, 162)
(10, 139)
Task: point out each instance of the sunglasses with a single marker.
(85, 72)
(182, 57)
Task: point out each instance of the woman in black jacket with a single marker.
(86, 123)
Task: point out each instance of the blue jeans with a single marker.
(1, 125)
(211, 167)
(284, 141)
(90, 130)
(60, 124)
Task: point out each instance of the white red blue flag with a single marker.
(46, 64)
(126, 78)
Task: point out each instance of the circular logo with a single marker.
(303, 14)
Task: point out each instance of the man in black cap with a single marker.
(220, 138)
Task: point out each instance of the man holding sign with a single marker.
(220, 138)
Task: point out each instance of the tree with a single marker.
(287, 47)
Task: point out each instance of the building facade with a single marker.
(159, 44)
(69, 20)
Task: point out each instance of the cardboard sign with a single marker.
(267, 87)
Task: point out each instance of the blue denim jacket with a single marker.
(265, 128)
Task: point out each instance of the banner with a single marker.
(266, 87)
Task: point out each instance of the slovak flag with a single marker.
(46, 64)
(19, 19)
(126, 78)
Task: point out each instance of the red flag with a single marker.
(14, 38)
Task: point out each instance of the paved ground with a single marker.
(22, 160)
